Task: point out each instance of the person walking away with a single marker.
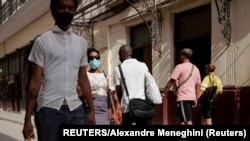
(134, 74)
(210, 80)
(186, 77)
(59, 59)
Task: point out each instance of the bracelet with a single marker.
(91, 113)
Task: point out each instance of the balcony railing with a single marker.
(9, 8)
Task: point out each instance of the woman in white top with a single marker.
(99, 86)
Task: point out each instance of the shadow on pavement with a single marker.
(4, 137)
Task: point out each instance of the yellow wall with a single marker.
(24, 36)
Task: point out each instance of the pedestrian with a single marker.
(134, 74)
(99, 89)
(59, 59)
(210, 80)
(186, 78)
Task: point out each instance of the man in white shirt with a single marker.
(133, 71)
(59, 59)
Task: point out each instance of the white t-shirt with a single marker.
(60, 54)
(133, 72)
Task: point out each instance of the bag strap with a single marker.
(105, 74)
(110, 95)
(212, 80)
(123, 80)
(213, 84)
(187, 77)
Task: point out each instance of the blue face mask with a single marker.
(94, 63)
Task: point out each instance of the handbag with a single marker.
(152, 90)
(141, 108)
(208, 95)
(138, 108)
(114, 120)
(108, 92)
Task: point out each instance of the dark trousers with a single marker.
(48, 120)
(128, 120)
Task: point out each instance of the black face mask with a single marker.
(64, 18)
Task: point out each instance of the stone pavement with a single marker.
(12, 125)
(15, 117)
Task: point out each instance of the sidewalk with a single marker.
(14, 117)
(12, 126)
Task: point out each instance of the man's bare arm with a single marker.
(170, 83)
(34, 85)
(32, 91)
(83, 82)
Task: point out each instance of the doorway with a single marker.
(193, 30)
(141, 44)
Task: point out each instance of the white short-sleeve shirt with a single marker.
(133, 71)
(60, 54)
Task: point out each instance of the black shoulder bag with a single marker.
(209, 95)
(138, 108)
